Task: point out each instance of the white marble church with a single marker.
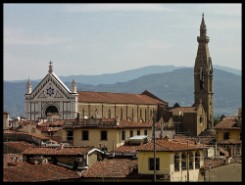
(51, 96)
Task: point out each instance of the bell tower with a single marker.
(203, 75)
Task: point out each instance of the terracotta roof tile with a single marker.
(57, 151)
(228, 122)
(19, 145)
(183, 109)
(25, 133)
(230, 142)
(27, 172)
(111, 168)
(127, 149)
(163, 145)
(108, 97)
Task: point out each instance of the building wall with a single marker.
(234, 134)
(167, 165)
(201, 120)
(190, 123)
(114, 136)
(92, 158)
(130, 112)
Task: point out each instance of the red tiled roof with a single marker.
(163, 145)
(228, 123)
(48, 129)
(27, 172)
(25, 133)
(127, 149)
(19, 145)
(230, 142)
(105, 123)
(111, 168)
(57, 151)
(108, 97)
(183, 109)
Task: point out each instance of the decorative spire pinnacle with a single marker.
(203, 25)
(74, 86)
(50, 67)
(28, 86)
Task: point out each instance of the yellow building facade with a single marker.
(103, 135)
(175, 159)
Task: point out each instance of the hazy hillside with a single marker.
(123, 76)
(174, 86)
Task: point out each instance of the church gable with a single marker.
(50, 87)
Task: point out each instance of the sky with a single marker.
(93, 39)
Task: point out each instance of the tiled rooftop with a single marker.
(108, 97)
(8, 132)
(107, 123)
(111, 168)
(230, 141)
(200, 139)
(228, 122)
(163, 145)
(19, 146)
(183, 109)
(127, 149)
(27, 172)
(57, 151)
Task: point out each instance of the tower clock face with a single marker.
(50, 91)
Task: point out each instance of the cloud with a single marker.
(18, 37)
(123, 7)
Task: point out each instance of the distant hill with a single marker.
(171, 86)
(123, 76)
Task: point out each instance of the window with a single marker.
(197, 160)
(151, 163)
(123, 135)
(69, 135)
(121, 114)
(85, 135)
(103, 135)
(183, 161)
(109, 114)
(138, 132)
(132, 114)
(131, 133)
(191, 161)
(200, 119)
(176, 162)
(145, 132)
(226, 135)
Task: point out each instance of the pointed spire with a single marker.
(50, 67)
(203, 25)
(28, 86)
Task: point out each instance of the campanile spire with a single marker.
(203, 74)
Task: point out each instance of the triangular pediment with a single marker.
(51, 87)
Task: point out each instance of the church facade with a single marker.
(51, 96)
